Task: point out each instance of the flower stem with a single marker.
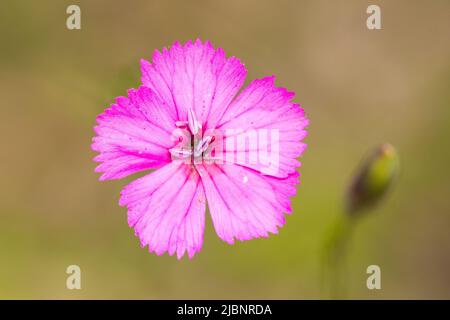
(334, 258)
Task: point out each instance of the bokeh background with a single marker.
(358, 87)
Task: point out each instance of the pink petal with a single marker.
(167, 209)
(264, 107)
(244, 204)
(133, 134)
(194, 75)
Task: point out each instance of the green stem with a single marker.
(334, 259)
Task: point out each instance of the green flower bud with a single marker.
(373, 179)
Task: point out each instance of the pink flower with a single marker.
(208, 144)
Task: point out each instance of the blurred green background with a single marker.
(358, 87)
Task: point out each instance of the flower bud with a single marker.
(373, 179)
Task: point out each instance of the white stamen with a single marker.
(181, 153)
(193, 124)
(181, 124)
(202, 146)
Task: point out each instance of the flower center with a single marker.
(193, 146)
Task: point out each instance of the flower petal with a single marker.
(244, 204)
(167, 209)
(133, 134)
(264, 111)
(194, 76)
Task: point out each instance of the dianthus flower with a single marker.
(208, 144)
